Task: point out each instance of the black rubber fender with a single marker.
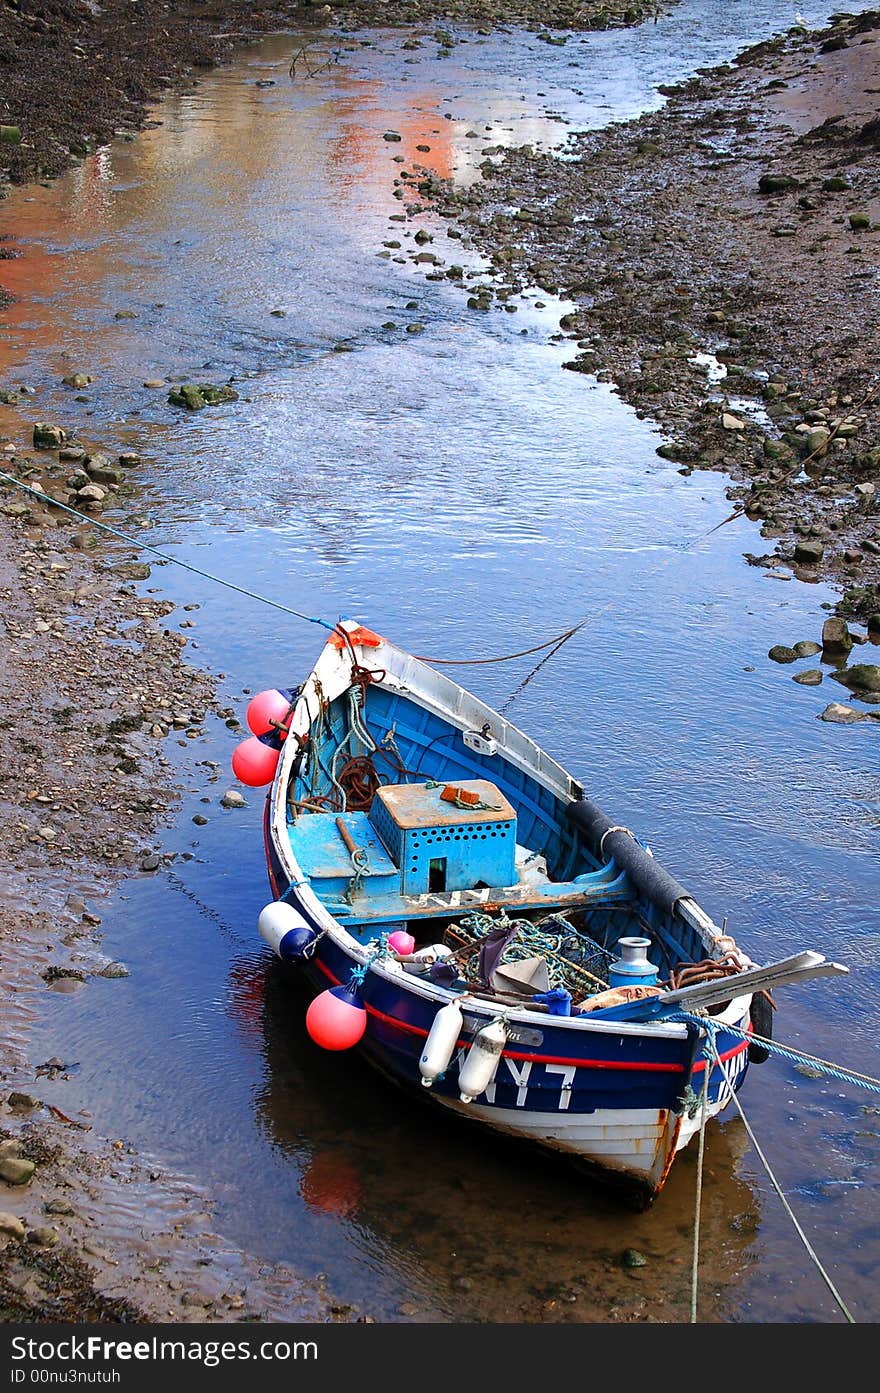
(761, 1016)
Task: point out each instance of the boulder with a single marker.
(779, 653)
(836, 637)
(48, 437)
(839, 714)
(809, 552)
(776, 183)
(861, 677)
(15, 1170)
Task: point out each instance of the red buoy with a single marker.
(255, 760)
(266, 707)
(336, 1020)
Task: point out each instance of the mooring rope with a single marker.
(699, 1200)
(711, 1028)
(166, 556)
(825, 1066)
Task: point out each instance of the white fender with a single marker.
(479, 1068)
(441, 1041)
(278, 920)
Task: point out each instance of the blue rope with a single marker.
(833, 1071)
(145, 546)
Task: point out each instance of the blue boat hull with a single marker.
(616, 1100)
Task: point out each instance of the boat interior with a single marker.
(402, 821)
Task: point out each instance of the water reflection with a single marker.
(466, 1227)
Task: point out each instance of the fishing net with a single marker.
(481, 943)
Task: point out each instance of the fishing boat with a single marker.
(472, 922)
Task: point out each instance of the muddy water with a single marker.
(454, 489)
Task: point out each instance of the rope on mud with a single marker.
(175, 560)
(710, 1027)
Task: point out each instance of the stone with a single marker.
(11, 1225)
(836, 637)
(130, 460)
(114, 970)
(150, 862)
(807, 648)
(48, 437)
(196, 396)
(59, 1207)
(776, 183)
(809, 551)
(839, 714)
(17, 1099)
(233, 799)
(861, 677)
(779, 653)
(815, 441)
(200, 820)
(101, 471)
(811, 678)
(91, 493)
(730, 422)
(392, 136)
(76, 379)
(631, 1257)
(43, 1237)
(15, 1170)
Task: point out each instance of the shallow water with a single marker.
(455, 490)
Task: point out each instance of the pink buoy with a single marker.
(255, 760)
(402, 943)
(266, 707)
(336, 1020)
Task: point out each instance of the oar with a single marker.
(799, 968)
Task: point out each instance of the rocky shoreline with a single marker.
(661, 233)
(723, 255)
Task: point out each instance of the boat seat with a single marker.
(323, 855)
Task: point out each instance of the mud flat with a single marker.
(94, 683)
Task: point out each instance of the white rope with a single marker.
(775, 1183)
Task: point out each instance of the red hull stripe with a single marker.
(656, 1068)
